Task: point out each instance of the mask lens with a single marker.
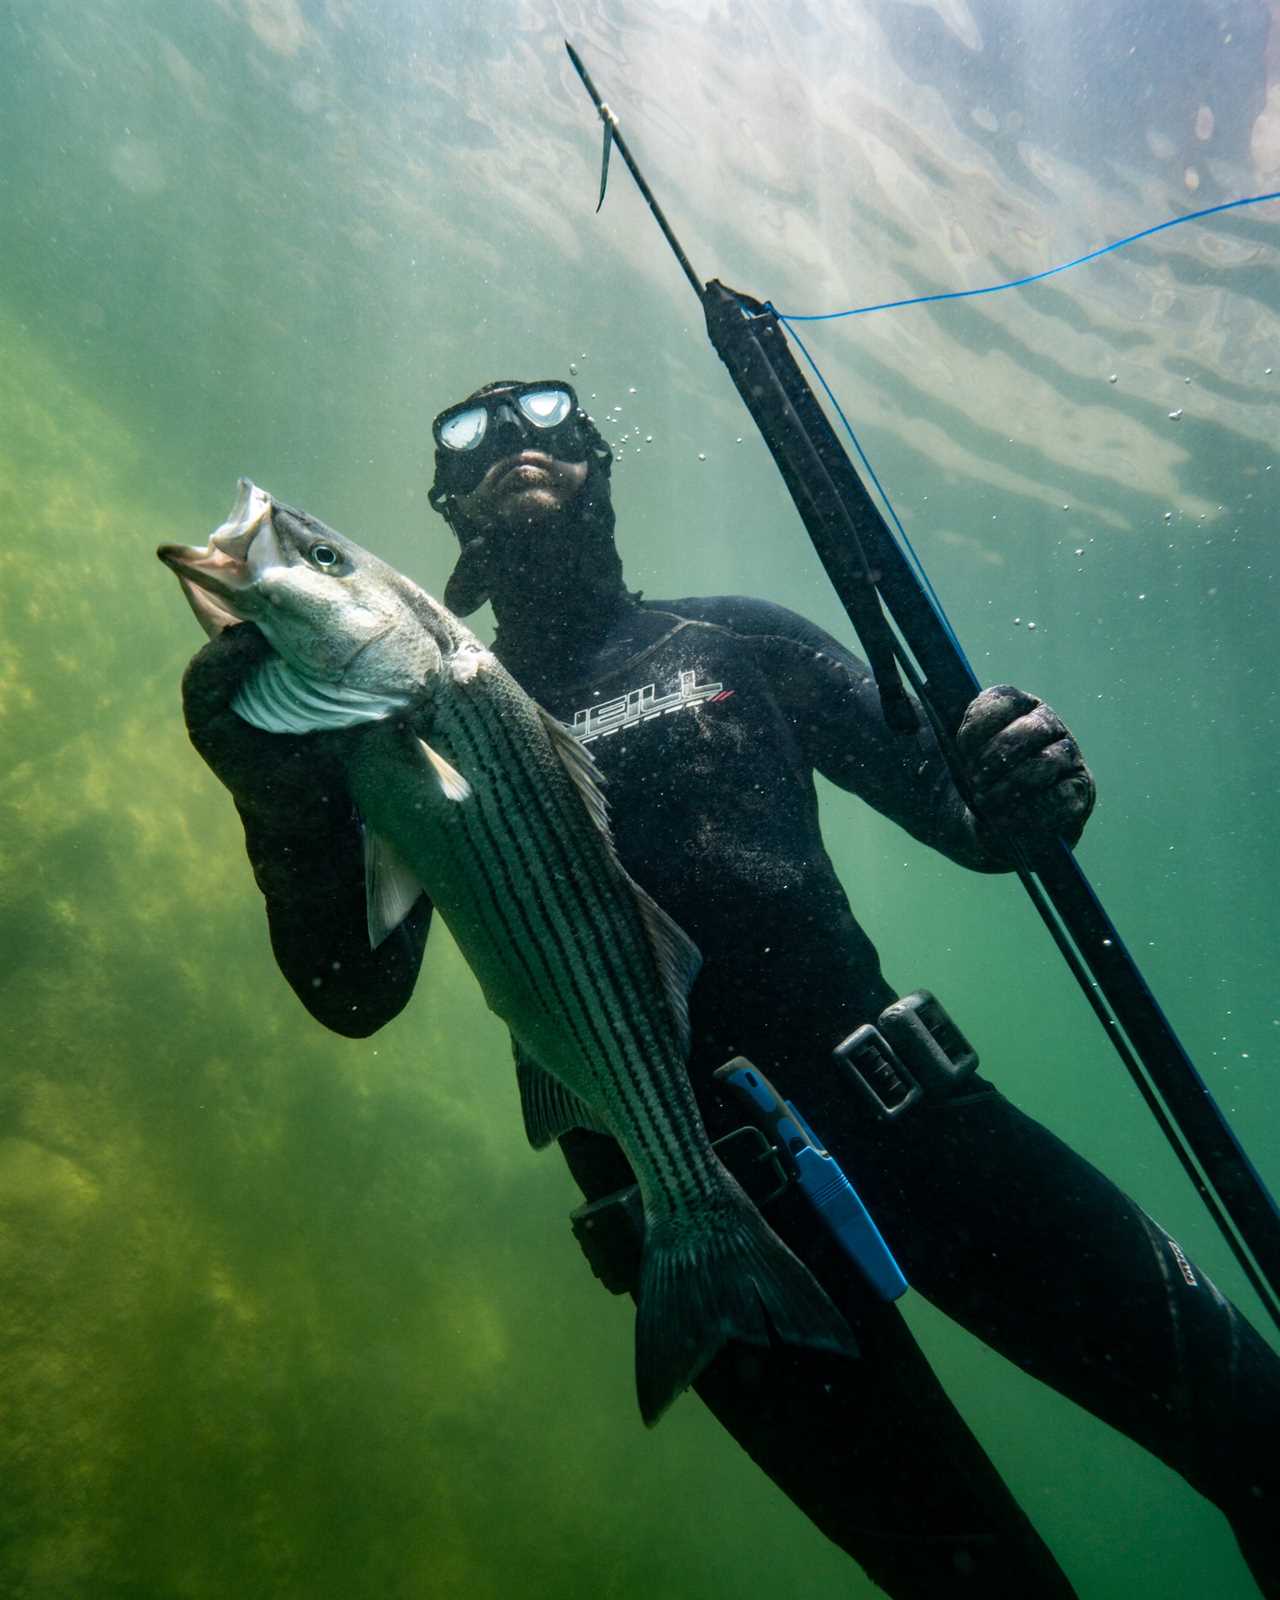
(546, 408)
(464, 430)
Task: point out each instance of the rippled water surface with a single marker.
(291, 1316)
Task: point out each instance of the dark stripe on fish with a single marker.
(565, 917)
(488, 850)
(666, 1113)
(562, 918)
(492, 907)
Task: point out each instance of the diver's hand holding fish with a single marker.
(302, 839)
(269, 775)
(470, 793)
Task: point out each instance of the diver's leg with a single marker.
(871, 1450)
(875, 1454)
(1009, 1231)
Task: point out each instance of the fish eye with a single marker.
(324, 555)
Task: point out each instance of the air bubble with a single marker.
(1113, 377)
(701, 457)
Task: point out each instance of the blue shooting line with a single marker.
(789, 319)
(1035, 277)
(880, 490)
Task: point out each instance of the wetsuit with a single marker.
(708, 718)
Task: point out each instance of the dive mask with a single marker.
(475, 433)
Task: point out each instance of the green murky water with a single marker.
(290, 1316)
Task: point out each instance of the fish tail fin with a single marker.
(715, 1276)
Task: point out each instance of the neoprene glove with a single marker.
(1029, 781)
(284, 784)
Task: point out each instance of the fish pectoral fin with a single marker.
(391, 889)
(549, 1108)
(453, 785)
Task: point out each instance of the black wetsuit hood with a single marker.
(565, 574)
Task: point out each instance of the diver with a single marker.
(709, 718)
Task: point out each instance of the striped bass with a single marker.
(472, 794)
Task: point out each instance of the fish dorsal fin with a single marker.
(451, 781)
(677, 956)
(577, 762)
(678, 959)
(549, 1108)
(278, 698)
(391, 889)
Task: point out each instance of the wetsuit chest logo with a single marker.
(644, 705)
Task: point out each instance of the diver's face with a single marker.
(513, 455)
(523, 490)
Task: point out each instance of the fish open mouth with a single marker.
(216, 577)
(211, 569)
(222, 566)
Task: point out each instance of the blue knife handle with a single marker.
(821, 1179)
